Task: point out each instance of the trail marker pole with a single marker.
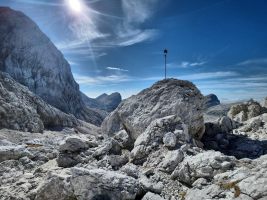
(165, 55)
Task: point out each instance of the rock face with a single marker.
(164, 98)
(32, 60)
(109, 102)
(91, 184)
(22, 110)
(245, 111)
(211, 100)
(104, 104)
(265, 102)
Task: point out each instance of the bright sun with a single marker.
(75, 5)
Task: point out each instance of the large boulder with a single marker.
(32, 59)
(22, 110)
(247, 182)
(211, 100)
(203, 165)
(245, 111)
(164, 98)
(88, 184)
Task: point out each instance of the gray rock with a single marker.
(104, 102)
(169, 140)
(152, 196)
(245, 111)
(203, 165)
(22, 110)
(149, 185)
(152, 138)
(83, 184)
(130, 170)
(164, 98)
(172, 159)
(73, 144)
(13, 152)
(32, 59)
(211, 100)
(123, 139)
(265, 102)
(69, 151)
(247, 182)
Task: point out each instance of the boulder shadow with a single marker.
(239, 146)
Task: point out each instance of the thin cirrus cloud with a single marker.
(118, 78)
(120, 31)
(185, 64)
(100, 80)
(93, 31)
(117, 69)
(259, 61)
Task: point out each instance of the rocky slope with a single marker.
(32, 60)
(22, 110)
(163, 161)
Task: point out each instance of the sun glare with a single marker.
(75, 5)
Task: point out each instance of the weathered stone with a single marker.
(172, 159)
(169, 140)
(171, 97)
(152, 196)
(245, 111)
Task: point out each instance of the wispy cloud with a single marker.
(139, 10)
(259, 61)
(100, 80)
(34, 2)
(209, 75)
(117, 78)
(92, 36)
(186, 64)
(117, 69)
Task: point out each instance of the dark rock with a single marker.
(211, 100)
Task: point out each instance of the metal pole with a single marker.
(165, 55)
(165, 66)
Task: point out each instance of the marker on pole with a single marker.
(165, 55)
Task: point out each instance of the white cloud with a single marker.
(39, 2)
(131, 39)
(138, 11)
(88, 28)
(186, 64)
(118, 78)
(100, 80)
(117, 69)
(208, 75)
(259, 61)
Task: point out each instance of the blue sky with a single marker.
(117, 45)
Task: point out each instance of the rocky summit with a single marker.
(165, 98)
(155, 145)
(30, 58)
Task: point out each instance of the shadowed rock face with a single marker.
(211, 100)
(164, 98)
(103, 102)
(22, 110)
(31, 58)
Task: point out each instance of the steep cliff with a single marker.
(31, 58)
